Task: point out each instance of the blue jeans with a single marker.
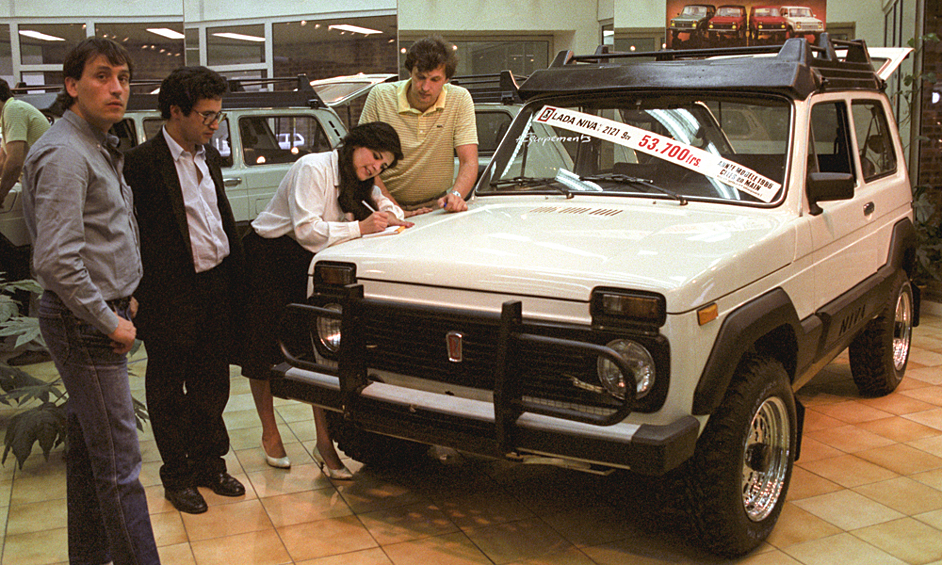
(107, 509)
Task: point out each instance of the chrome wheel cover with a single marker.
(766, 459)
(902, 328)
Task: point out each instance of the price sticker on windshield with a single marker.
(728, 172)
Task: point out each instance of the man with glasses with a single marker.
(189, 295)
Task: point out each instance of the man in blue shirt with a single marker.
(80, 217)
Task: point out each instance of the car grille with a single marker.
(412, 342)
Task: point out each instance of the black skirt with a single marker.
(277, 272)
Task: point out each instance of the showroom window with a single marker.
(235, 45)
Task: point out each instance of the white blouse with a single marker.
(306, 205)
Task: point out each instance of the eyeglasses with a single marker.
(210, 117)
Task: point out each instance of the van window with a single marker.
(874, 144)
(280, 139)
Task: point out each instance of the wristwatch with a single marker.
(456, 193)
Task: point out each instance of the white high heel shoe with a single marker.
(277, 462)
(341, 474)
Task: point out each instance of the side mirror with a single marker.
(828, 187)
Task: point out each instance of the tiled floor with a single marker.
(868, 489)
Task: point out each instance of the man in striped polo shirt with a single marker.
(435, 121)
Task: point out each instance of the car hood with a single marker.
(727, 19)
(685, 18)
(554, 248)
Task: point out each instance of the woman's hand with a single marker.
(376, 222)
(394, 221)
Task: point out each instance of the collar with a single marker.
(176, 149)
(406, 108)
(100, 137)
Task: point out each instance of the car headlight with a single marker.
(328, 329)
(638, 359)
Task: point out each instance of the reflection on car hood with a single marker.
(556, 248)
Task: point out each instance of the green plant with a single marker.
(43, 419)
(927, 215)
(912, 83)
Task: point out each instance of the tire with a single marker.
(878, 356)
(372, 449)
(735, 484)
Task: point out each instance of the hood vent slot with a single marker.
(572, 210)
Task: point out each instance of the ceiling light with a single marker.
(166, 32)
(240, 37)
(38, 35)
(355, 29)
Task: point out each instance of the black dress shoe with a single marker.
(222, 484)
(187, 500)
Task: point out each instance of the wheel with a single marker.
(878, 356)
(372, 449)
(736, 482)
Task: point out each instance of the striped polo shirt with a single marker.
(428, 138)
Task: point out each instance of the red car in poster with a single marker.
(728, 23)
(766, 22)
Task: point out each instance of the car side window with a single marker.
(152, 127)
(280, 139)
(491, 129)
(829, 149)
(877, 157)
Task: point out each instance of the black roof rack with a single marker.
(300, 94)
(797, 69)
(496, 87)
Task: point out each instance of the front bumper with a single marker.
(470, 425)
(506, 421)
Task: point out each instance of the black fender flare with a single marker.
(739, 332)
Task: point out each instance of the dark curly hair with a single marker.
(428, 54)
(186, 86)
(377, 136)
(85, 51)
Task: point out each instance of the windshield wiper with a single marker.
(628, 179)
(550, 182)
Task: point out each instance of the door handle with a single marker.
(229, 183)
(869, 207)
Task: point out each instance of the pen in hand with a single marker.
(368, 207)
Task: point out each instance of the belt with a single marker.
(119, 303)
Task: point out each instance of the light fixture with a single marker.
(166, 32)
(240, 37)
(354, 29)
(38, 35)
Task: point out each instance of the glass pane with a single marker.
(280, 139)
(48, 43)
(300, 47)
(221, 141)
(155, 47)
(670, 146)
(233, 45)
(487, 57)
(877, 156)
(6, 56)
(192, 46)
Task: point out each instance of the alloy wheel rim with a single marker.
(765, 459)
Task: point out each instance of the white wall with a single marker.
(573, 23)
(85, 9)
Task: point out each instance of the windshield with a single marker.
(695, 10)
(800, 12)
(682, 147)
(766, 12)
(730, 12)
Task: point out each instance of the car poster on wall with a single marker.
(696, 25)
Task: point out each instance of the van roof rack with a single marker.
(300, 94)
(499, 87)
(796, 68)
